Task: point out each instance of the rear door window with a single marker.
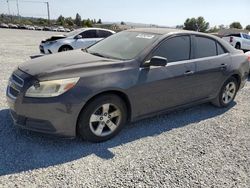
(89, 34)
(103, 34)
(174, 49)
(205, 47)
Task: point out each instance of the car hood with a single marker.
(53, 38)
(69, 64)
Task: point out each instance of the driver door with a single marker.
(161, 88)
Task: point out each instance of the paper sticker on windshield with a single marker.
(145, 36)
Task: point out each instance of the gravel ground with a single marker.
(198, 147)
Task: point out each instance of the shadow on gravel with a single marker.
(22, 150)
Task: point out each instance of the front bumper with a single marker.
(46, 48)
(57, 116)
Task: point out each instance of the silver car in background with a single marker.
(80, 38)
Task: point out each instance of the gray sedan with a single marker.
(128, 76)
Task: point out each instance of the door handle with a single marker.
(188, 72)
(223, 66)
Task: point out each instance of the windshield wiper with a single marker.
(98, 54)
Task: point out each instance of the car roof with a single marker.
(160, 31)
(171, 31)
(94, 28)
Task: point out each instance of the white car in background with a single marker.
(80, 38)
(239, 41)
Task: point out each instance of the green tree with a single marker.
(87, 23)
(69, 21)
(179, 27)
(60, 20)
(123, 23)
(196, 24)
(99, 21)
(236, 25)
(248, 27)
(78, 20)
(214, 29)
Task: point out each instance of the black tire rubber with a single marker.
(218, 100)
(83, 128)
(65, 48)
(238, 46)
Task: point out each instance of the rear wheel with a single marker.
(237, 46)
(102, 118)
(65, 48)
(227, 93)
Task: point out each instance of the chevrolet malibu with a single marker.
(129, 76)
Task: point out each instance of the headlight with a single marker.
(52, 42)
(51, 88)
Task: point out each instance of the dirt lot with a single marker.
(198, 147)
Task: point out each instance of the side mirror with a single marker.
(78, 37)
(158, 61)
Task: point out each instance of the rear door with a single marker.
(212, 62)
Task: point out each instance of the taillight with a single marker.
(231, 39)
(248, 56)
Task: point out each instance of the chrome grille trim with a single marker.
(9, 93)
(16, 82)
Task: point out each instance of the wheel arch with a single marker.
(238, 43)
(118, 93)
(237, 77)
(65, 45)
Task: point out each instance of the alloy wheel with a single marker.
(229, 93)
(105, 120)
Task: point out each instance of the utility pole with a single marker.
(17, 5)
(48, 12)
(8, 6)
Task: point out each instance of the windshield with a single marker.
(74, 33)
(124, 45)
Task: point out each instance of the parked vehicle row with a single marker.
(239, 40)
(80, 38)
(128, 76)
(38, 28)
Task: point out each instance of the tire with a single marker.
(95, 124)
(238, 46)
(227, 95)
(65, 48)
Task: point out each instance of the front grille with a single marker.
(15, 84)
(42, 49)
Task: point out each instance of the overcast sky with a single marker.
(161, 12)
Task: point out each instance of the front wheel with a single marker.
(227, 93)
(65, 48)
(102, 118)
(237, 46)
